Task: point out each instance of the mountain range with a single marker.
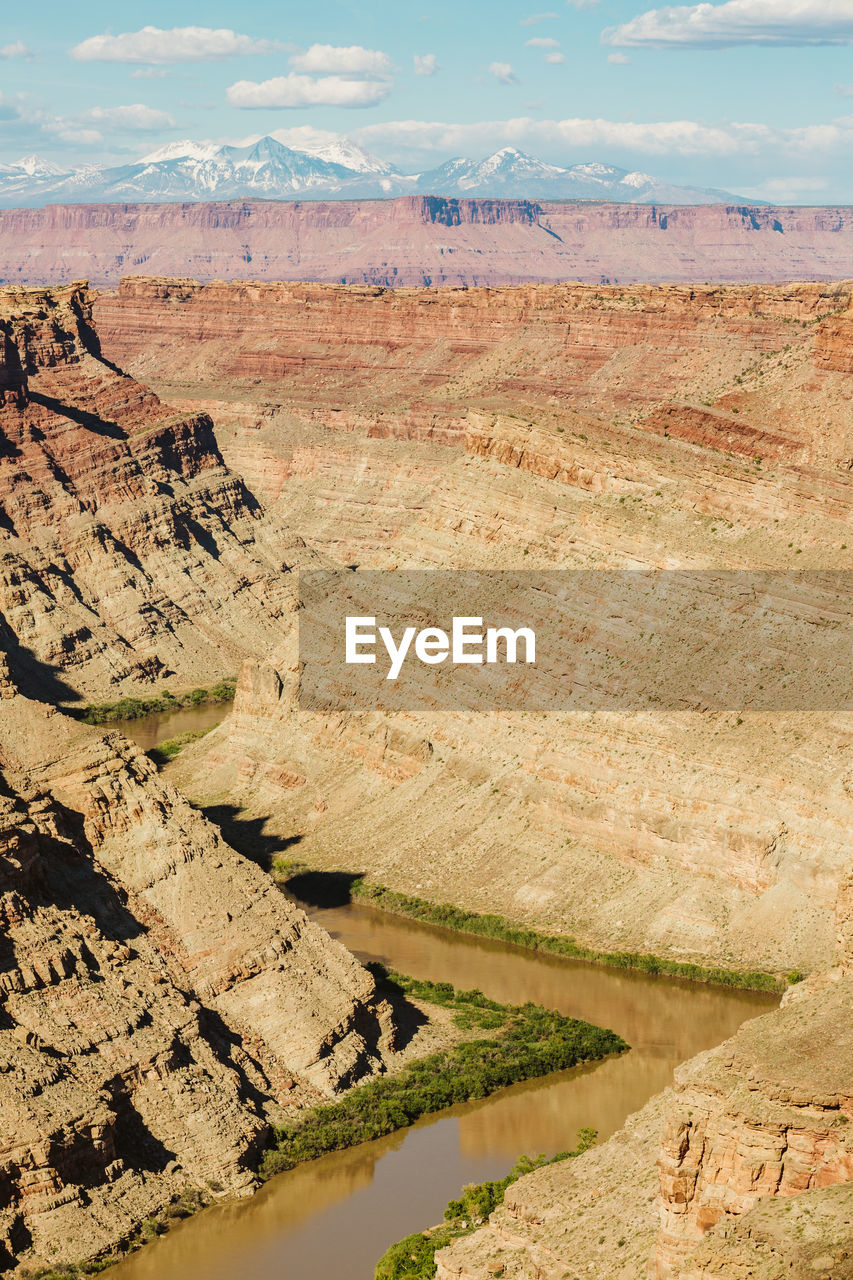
(332, 170)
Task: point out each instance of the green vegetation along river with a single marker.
(332, 1218)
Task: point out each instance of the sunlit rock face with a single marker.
(160, 1000)
(421, 240)
(128, 552)
(571, 427)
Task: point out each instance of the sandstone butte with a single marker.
(425, 240)
(588, 427)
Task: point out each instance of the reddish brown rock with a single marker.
(766, 1114)
(834, 349)
(715, 429)
(128, 552)
(425, 240)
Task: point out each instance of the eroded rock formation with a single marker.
(128, 551)
(538, 427)
(755, 1161)
(535, 427)
(766, 1114)
(159, 998)
(426, 240)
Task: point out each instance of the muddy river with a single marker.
(331, 1219)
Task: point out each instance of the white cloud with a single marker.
(77, 137)
(844, 90)
(581, 4)
(618, 59)
(149, 73)
(787, 190)
(554, 59)
(738, 22)
(351, 60)
(532, 19)
(304, 91)
(426, 64)
(503, 72)
(325, 75)
(179, 44)
(667, 137)
(135, 117)
(542, 42)
(16, 50)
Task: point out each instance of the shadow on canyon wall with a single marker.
(323, 888)
(248, 835)
(34, 678)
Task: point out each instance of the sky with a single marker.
(751, 96)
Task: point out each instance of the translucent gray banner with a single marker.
(562, 640)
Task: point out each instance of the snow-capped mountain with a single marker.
(325, 167)
(514, 175)
(507, 172)
(25, 177)
(184, 150)
(345, 152)
(35, 167)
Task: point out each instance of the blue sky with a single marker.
(755, 96)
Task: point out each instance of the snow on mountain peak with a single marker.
(638, 179)
(35, 167)
(350, 155)
(304, 162)
(187, 149)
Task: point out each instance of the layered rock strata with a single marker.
(159, 999)
(690, 833)
(128, 552)
(426, 240)
(755, 1166)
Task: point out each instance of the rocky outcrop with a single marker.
(159, 999)
(128, 552)
(426, 240)
(766, 1114)
(756, 1170)
(810, 1236)
(834, 348)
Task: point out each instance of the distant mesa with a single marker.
(414, 241)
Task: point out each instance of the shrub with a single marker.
(131, 708)
(532, 1042)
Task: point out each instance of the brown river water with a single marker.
(148, 731)
(331, 1219)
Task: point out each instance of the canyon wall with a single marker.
(128, 552)
(562, 427)
(160, 1001)
(743, 1169)
(539, 427)
(755, 1178)
(425, 240)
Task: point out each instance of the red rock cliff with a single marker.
(422, 240)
